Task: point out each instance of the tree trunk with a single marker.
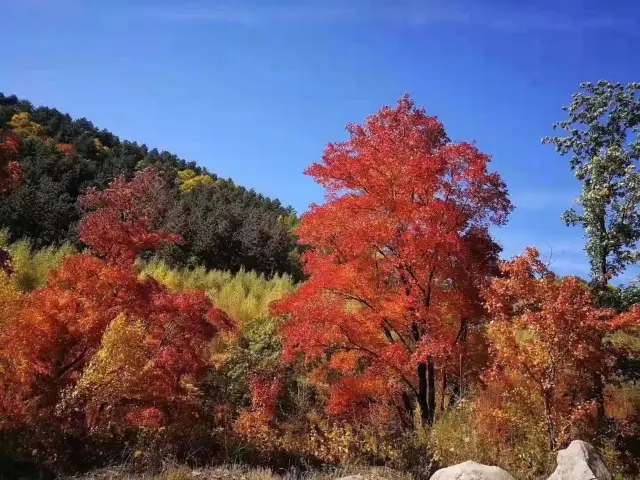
(409, 407)
(425, 414)
(599, 397)
(431, 384)
(443, 390)
(604, 252)
(460, 377)
(427, 390)
(551, 424)
(455, 392)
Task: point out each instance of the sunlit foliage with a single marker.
(244, 296)
(153, 318)
(22, 125)
(30, 269)
(398, 254)
(63, 355)
(190, 181)
(550, 351)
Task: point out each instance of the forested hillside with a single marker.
(222, 225)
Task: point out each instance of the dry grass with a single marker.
(238, 472)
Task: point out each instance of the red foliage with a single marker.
(68, 350)
(151, 418)
(256, 423)
(10, 171)
(400, 252)
(355, 395)
(63, 325)
(123, 220)
(549, 340)
(265, 394)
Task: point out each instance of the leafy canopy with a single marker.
(603, 142)
(550, 348)
(101, 340)
(396, 257)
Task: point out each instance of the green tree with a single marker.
(602, 140)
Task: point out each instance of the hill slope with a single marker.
(224, 226)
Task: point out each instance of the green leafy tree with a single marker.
(227, 228)
(602, 140)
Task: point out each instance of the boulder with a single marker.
(580, 461)
(471, 471)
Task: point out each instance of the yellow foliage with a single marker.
(179, 474)
(11, 301)
(197, 182)
(185, 175)
(21, 124)
(243, 296)
(189, 181)
(331, 442)
(32, 268)
(100, 148)
(119, 364)
(622, 404)
(511, 439)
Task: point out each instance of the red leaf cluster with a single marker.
(151, 418)
(399, 254)
(123, 218)
(550, 345)
(70, 349)
(10, 171)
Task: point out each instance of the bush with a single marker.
(30, 269)
(470, 432)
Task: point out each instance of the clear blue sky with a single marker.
(253, 90)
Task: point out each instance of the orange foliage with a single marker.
(400, 252)
(65, 148)
(549, 347)
(102, 341)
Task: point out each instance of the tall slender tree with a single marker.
(603, 142)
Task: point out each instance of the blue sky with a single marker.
(254, 90)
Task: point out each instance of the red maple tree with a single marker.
(123, 218)
(399, 253)
(101, 340)
(10, 176)
(550, 349)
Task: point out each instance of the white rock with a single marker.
(580, 461)
(471, 471)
